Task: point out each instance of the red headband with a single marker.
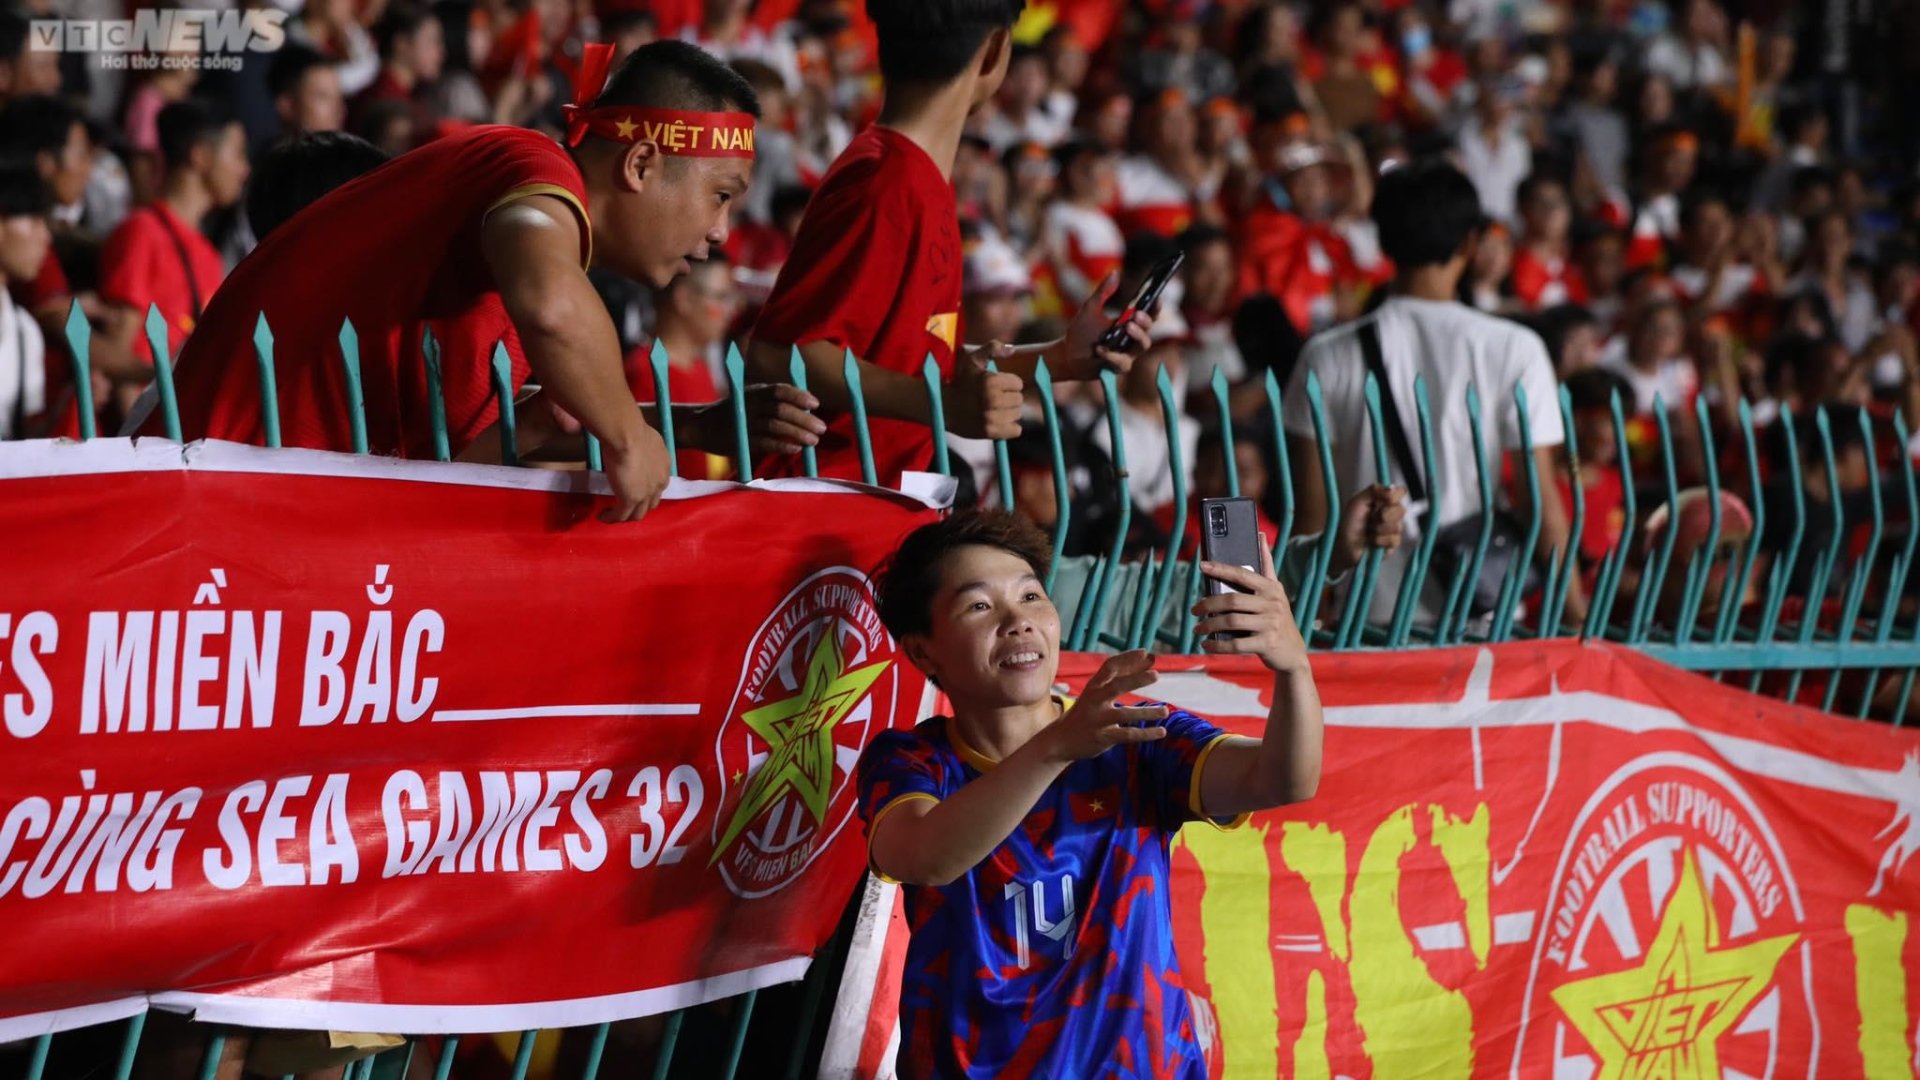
(675, 131)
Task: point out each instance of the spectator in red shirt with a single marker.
(158, 257)
(1544, 275)
(1293, 253)
(691, 318)
(876, 269)
(502, 223)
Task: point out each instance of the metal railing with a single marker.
(1114, 598)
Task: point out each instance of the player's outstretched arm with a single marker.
(1283, 767)
(934, 843)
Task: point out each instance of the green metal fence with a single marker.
(1849, 625)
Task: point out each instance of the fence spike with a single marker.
(130, 1045)
(857, 395)
(1823, 568)
(1231, 462)
(1600, 611)
(1062, 500)
(1757, 505)
(1565, 564)
(1654, 577)
(1460, 601)
(502, 369)
(737, 1038)
(163, 371)
(1002, 467)
(1283, 458)
(1413, 585)
(937, 411)
(436, 396)
(797, 374)
(1512, 588)
(80, 348)
(669, 1038)
(658, 362)
(356, 392)
(1315, 581)
(1359, 600)
(1170, 417)
(736, 368)
(1104, 595)
(269, 385)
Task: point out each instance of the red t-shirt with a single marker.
(1297, 262)
(397, 251)
(875, 269)
(156, 258)
(1543, 283)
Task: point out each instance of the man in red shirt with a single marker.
(483, 237)
(158, 257)
(876, 268)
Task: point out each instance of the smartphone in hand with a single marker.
(1229, 534)
(1147, 300)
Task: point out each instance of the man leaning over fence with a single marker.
(1428, 216)
(877, 266)
(482, 238)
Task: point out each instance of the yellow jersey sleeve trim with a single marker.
(1193, 785)
(558, 192)
(896, 804)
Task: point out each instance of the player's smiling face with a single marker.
(994, 640)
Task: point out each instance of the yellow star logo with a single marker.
(1096, 806)
(799, 736)
(625, 127)
(1665, 1017)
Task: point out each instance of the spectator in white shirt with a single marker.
(24, 240)
(1494, 151)
(1429, 216)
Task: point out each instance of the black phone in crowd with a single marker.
(1229, 534)
(1147, 300)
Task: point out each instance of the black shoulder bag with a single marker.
(1454, 546)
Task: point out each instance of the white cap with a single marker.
(992, 266)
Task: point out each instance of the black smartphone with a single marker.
(1147, 300)
(1229, 534)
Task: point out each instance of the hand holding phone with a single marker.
(1246, 612)
(1146, 300)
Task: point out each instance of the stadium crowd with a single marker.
(1686, 202)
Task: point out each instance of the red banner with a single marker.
(1538, 860)
(304, 740)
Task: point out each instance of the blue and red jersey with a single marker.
(1054, 957)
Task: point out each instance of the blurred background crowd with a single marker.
(1689, 201)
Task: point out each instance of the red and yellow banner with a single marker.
(1539, 861)
(303, 740)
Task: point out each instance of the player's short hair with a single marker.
(909, 579)
(293, 173)
(290, 65)
(674, 74)
(22, 192)
(190, 123)
(37, 124)
(931, 42)
(1425, 212)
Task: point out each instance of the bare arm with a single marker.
(532, 247)
(925, 842)
(1284, 765)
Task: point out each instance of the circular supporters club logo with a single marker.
(1672, 943)
(820, 674)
